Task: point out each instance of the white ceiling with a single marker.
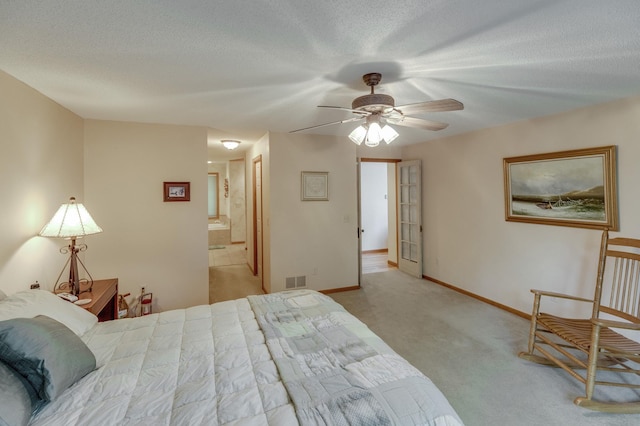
(245, 67)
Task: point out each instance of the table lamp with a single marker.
(72, 220)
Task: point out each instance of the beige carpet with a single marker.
(232, 282)
(469, 349)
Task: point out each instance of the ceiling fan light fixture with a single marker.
(389, 134)
(371, 133)
(358, 134)
(374, 135)
(230, 144)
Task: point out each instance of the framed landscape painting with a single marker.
(569, 188)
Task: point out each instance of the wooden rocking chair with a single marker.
(616, 306)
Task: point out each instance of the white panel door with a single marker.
(410, 217)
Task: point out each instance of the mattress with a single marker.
(284, 359)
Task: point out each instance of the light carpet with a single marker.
(232, 282)
(469, 349)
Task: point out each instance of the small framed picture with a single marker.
(177, 191)
(315, 186)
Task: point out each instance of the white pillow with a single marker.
(2, 295)
(30, 303)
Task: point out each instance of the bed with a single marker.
(288, 358)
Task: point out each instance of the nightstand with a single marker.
(104, 299)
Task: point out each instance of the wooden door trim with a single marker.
(257, 268)
(380, 160)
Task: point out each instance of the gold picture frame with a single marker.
(575, 188)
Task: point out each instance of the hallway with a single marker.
(232, 282)
(376, 262)
(231, 254)
(229, 281)
(229, 275)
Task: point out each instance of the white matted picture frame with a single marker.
(314, 186)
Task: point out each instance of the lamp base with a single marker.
(84, 286)
(73, 285)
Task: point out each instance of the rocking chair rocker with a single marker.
(564, 342)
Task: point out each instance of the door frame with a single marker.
(257, 268)
(359, 203)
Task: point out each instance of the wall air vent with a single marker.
(301, 281)
(290, 282)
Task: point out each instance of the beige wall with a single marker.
(316, 239)
(468, 243)
(41, 166)
(391, 151)
(147, 242)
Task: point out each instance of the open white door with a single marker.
(410, 217)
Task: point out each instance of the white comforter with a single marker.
(210, 365)
(206, 365)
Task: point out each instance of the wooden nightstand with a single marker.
(104, 299)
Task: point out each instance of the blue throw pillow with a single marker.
(45, 353)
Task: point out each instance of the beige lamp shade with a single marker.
(71, 220)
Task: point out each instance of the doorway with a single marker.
(229, 274)
(226, 212)
(377, 215)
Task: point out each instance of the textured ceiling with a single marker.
(245, 67)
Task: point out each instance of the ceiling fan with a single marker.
(377, 109)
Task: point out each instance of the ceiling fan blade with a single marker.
(431, 106)
(365, 113)
(420, 123)
(348, 120)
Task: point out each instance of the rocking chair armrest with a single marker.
(560, 295)
(615, 324)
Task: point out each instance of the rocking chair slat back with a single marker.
(622, 280)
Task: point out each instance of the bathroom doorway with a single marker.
(226, 212)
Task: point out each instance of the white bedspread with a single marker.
(210, 365)
(206, 365)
